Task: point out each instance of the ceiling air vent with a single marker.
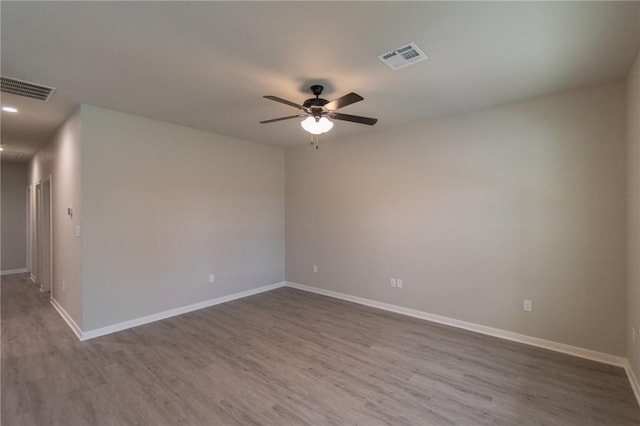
(24, 88)
(404, 56)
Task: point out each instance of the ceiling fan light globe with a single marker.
(311, 125)
(316, 127)
(325, 124)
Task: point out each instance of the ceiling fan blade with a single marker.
(283, 118)
(348, 99)
(286, 102)
(354, 118)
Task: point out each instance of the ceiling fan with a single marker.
(318, 111)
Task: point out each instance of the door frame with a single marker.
(47, 249)
(35, 232)
(28, 226)
(41, 258)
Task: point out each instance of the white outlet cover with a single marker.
(212, 278)
(393, 282)
(315, 268)
(527, 305)
(399, 282)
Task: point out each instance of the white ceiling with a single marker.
(207, 64)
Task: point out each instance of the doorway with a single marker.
(29, 211)
(41, 263)
(35, 235)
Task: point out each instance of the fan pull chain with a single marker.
(315, 139)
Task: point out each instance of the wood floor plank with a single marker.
(287, 357)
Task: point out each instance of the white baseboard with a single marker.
(13, 271)
(496, 332)
(91, 334)
(633, 380)
(67, 318)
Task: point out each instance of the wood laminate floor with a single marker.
(286, 358)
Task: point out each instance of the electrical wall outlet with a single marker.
(212, 278)
(315, 268)
(64, 286)
(396, 282)
(527, 305)
(633, 334)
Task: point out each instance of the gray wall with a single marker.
(475, 213)
(61, 159)
(633, 264)
(164, 206)
(14, 215)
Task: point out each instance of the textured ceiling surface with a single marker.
(207, 64)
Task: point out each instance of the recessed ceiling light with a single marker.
(9, 109)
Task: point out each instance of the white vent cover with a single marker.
(404, 56)
(24, 88)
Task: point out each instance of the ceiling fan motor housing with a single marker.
(316, 104)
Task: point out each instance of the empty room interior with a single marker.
(320, 213)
